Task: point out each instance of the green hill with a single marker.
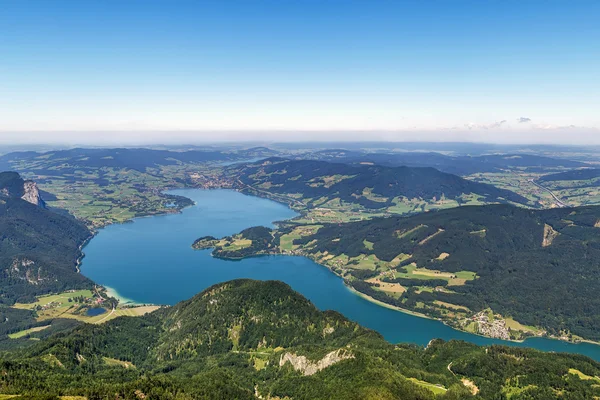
(248, 339)
(478, 267)
(371, 187)
(39, 248)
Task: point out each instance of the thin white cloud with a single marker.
(523, 120)
(472, 126)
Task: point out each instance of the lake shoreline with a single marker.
(226, 206)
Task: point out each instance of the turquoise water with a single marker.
(151, 261)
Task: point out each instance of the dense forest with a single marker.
(370, 186)
(39, 248)
(246, 339)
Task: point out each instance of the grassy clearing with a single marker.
(368, 245)
(286, 242)
(437, 389)
(388, 287)
(61, 299)
(451, 306)
(583, 376)
(58, 306)
(516, 326)
(454, 278)
(370, 262)
(238, 244)
(26, 332)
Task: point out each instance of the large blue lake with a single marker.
(151, 261)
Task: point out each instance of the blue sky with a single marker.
(441, 69)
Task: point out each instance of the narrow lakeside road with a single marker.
(111, 313)
(557, 200)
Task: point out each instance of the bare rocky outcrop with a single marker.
(26, 270)
(308, 367)
(549, 235)
(31, 194)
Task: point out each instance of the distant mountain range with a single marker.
(137, 159)
(247, 339)
(370, 186)
(458, 165)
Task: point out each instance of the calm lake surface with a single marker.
(94, 312)
(151, 261)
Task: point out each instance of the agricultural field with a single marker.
(453, 278)
(286, 241)
(26, 332)
(518, 182)
(75, 305)
(102, 193)
(572, 193)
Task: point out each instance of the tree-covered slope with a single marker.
(540, 267)
(477, 267)
(575, 175)
(368, 186)
(39, 248)
(248, 339)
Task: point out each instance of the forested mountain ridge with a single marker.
(248, 339)
(138, 159)
(575, 175)
(480, 268)
(375, 187)
(39, 248)
(458, 165)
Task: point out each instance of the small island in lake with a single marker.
(249, 242)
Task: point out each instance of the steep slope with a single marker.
(39, 248)
(369, 186)
(247, 339)
(12, 185)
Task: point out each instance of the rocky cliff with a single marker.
(31, 194)
(12, 185)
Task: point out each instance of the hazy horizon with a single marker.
(182, 71)
(566, 136)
